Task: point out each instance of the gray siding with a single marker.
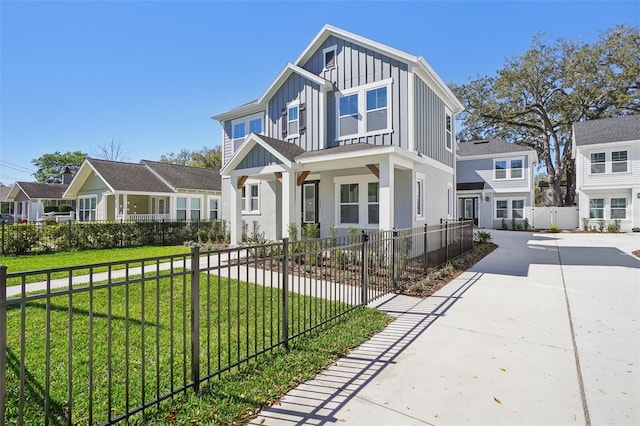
(296, 88)
(356, 66)
(429, 124)
(482, 170)
(257, 157)
(226, 143)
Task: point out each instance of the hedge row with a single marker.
(30, 238)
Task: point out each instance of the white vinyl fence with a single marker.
(563, 217)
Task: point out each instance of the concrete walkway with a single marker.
(545, 330)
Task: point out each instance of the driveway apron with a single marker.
(544, 330)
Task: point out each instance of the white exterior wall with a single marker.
(436, 203)
(268, 215)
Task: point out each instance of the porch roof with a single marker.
(469, 186)
(342, 149)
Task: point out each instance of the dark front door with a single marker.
(470, 209)
(310, 202)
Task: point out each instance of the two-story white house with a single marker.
(353, 133)
(607, 155)
(494, 182)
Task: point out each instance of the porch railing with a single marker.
(144, 217)
(108, 342)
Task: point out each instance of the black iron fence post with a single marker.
(363, 268)
(446, 239)
(195, 317)
(2, 237)
(285, 292)
(426, 248)
(3, 341)
(394, 266)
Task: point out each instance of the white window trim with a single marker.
(324, 56)
(363, 202)
(626, 207)
(247, 201)
(209, 209)
(447, 112)
(420, 177)
(508, 168)
(88, 197)
(293, 104)
(608, 161)
(188, 208)
(509, 201)
(604, 207)
(247, 129)
(361, 91)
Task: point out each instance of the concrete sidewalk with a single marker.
(545, 330)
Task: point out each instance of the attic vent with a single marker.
(480, 142)
(329, 57)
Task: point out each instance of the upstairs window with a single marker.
(241, 127)
(500, 168)
(377, 109)
(516, 168)
(292, 121)
(597, 162)
(349, 115)
(238, 135)
(618, 161)
(255, 126)
(447, 127)
(329, 57)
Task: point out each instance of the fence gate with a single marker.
(563, 217)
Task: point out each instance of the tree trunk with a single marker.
(570, 196)
(556, 190)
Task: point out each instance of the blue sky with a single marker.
(149, 74)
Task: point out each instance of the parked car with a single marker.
(6, 218)
(59, 216)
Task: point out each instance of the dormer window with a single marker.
(329, 57)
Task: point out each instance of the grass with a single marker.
(137, 337)
(74, 258)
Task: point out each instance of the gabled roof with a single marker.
(342, 149)
(286, 152)
(607, 130)
(37, 190)
(4, 191)
(120, 176)
(186, 177)
(489, 147)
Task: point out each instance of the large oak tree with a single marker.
(535, 98)
(50, 166)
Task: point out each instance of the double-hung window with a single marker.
(516, 168)
(293, 123)
(500, 169)
(618, 208)
(598, 162)
(349, 203)
(243, 126)
(373, 207)
(194, 203)
(255, 126)
(377, 109)
(87, 208)
(348, 115)
(502, 209)
(238, 135)
(596, 208)
(619, 161)
(213, 209)
(517, 209)
(447, 129)
(188, 208)
(251, 198)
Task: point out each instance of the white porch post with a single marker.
(116, 204)
(125, 207)
(386, 200)
(235, 215)
(289, 202)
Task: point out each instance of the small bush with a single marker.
(601, 225)
(504, 224)
(514, 224)
(292, 229)
(482, 237)
(526, 224)
(585, 224)
(554, 228)
(65, 208)
(614, 227)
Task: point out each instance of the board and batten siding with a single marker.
(355, 66)
(429, 124)
(296, 89)
(257, 157)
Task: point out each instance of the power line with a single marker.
(16, 167)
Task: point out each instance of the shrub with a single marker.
(554, 228)
(601, 225)
(514, 224)
(21, 238)
(526, 224)
(585, 224)
(49, 209)
(614, 227)
(483, 237)
(292, 229)
(504, 223)
(65, 208)
(310, 230)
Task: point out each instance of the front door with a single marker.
(310, 202)
(470, 209)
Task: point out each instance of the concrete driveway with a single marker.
(545, 330)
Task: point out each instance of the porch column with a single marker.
(116, 204)
(125, 207)
(289, 210)
(386, 197)
(235, 215)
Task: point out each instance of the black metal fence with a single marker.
(38, 238)
(108, 342)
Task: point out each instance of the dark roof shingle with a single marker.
(489, 146)
(187, 177)
(128, 176)
(338, 150)
(606, 130)
(49, 191)
(289, 150)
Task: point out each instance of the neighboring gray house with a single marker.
(5, 206)
(607, 155)
(353, 133)
(145, 191)
(494, 181)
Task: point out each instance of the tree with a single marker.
(536, 97)
(50, 166)
(111, 151)
(205, 158)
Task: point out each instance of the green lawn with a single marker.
(124, 331)
(74, 258)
